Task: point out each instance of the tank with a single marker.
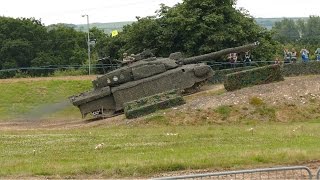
(146, 75)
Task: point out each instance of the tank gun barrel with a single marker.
(217, 54)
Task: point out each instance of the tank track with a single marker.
(195, 88)
(103, 116)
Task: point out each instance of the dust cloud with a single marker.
(45, 110)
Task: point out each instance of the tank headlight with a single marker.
(108, 81)
(115, 78)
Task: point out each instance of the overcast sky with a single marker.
(70, 11)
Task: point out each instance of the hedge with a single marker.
(220, 75)
(255, 76)
(153, 103)
(301, 68)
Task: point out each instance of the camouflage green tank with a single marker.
(146, 76)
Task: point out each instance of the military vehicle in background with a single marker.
(107, 64)
(146, 75)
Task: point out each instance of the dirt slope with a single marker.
(293, 92)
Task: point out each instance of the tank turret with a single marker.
(146, 75)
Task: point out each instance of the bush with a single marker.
(220, 75)
(224, 111)
(255, 76)
(256, 101)
(20, 74)
(153, 103)
(295, 69)
(7, 74)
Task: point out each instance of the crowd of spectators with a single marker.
(245, 60)
(291, 56)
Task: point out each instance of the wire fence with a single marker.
(318, 174)
(104, 68)
(294, 172)
(60, 67)
(114, 66)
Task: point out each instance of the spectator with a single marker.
(277, 61)
(304, 55)
(232, 57)
(293, 55)
(286, 55)
(247, 59)
(317, 53)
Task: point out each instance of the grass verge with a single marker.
(144, 151)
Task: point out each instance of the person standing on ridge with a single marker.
(293, 55)
(317, 53)
(304, 55)
(286, 55)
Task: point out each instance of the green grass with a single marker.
(156, 119)
(161, 142)
(69, 72)
(224, 111)
(28, 97)
(143, 151)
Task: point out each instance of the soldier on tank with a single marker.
(124, 57)
(128, 59)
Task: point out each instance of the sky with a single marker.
(71, 11)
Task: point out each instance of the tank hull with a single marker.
(145, 77)
(180, 78)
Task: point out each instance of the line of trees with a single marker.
(298, 34)
(193, 27)
(26, 42)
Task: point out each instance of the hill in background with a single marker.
(108, 27)
(269, 22)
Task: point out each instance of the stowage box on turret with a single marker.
(146, 77)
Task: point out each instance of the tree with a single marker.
(311, 31)
(68, 45)
(18, 52)
(193, 27)
(286, 31)
(20, 41)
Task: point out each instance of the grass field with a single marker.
(154, 144)
(143, 151)
(19, 99)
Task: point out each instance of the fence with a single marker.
(51, 69)
(104, 68)
(61, 67)
(318, 174)
(294, 172)
(110, 66)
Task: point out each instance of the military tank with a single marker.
(147, 75)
